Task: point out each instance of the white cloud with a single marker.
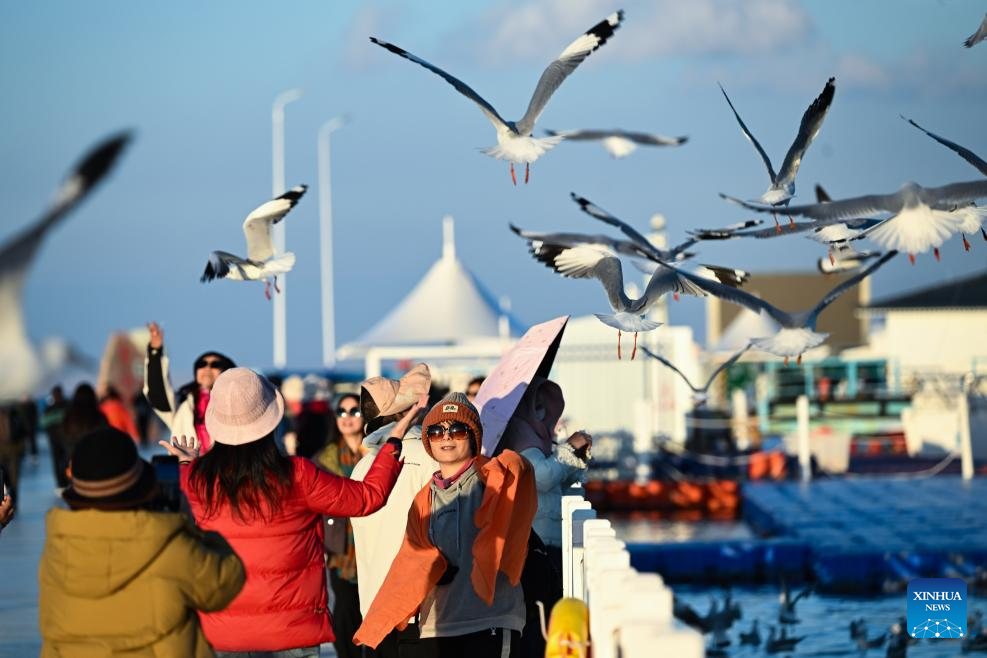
(536, 31)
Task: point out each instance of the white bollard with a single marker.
(966, 446)
(740, 421)
(645, 640)
(587, 529)
(575, 511)
(605, 607)
(804, 453)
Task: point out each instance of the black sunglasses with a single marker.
(352, 411)
(456, 431)
(216, 364)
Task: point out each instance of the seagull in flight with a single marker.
(603, 264)
(676, 253)
(782, 187)
(584, 257)
(260, 262)
(514, 141)
(798, 330)
(922, 218)
(19, 361)
(699, 393)
(836, 236)
(973, 219)
(618, 143)
(977, 36)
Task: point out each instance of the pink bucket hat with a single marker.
(243, 407)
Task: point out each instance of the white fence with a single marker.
(630, 613)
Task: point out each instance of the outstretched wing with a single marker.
(220, 264)
(831, 211)
(561, 68)
(586, 262)
(647, 139)
(977, 36)
(663, 281)
(17, 254)
(535, 239)
(723, 366)
(84, 177)
(668, 364)
(599, 213)
(835, 293)
(460, 86)
(812, 121)
(724, 233)
(963, 152)
(750, 137)
(257, 225)
(955, 193)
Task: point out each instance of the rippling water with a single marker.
(824, 622)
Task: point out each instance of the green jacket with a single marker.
(129, 583)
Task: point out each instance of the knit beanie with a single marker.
(455, 407)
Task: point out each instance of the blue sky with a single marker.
(196, 81)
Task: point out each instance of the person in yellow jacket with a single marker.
(117, 579)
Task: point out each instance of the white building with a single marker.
(931, 331)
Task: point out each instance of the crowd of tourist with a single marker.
(371, 519)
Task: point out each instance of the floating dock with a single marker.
(860, 535)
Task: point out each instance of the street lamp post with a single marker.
(325, 241)
(278, 186)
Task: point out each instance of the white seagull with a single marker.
(977, 36)
(699, 393)
(602, 264)
(782, 187)
(618, 143)
(514, 140)
(22, 368)
(922, 218)
(836, 236)
(972, 219)
(260, 262)
(676, 253)
(798, 330)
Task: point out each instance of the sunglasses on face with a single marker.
(456, 431)
(215, 364)
(351, 411)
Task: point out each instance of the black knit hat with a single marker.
(108, 474)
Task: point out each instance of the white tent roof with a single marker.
(477, 316)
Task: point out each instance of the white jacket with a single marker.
(552, 475)
(180, 421)
(378, 536)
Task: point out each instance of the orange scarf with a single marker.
(504, 519)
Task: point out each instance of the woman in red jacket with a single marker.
(269, 508)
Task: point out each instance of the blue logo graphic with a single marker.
(937, 608)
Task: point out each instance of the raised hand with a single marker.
(185, 448)
(157, 336)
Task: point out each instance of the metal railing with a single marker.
(630, 613)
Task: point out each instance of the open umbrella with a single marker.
(503, 388)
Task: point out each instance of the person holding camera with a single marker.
(117, 579)
(270, 508)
